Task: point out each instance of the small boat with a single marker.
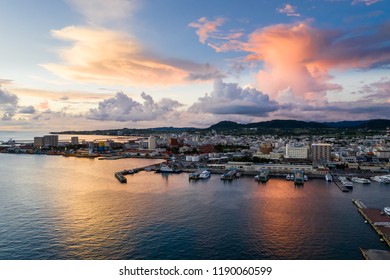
(288, 177)
(346, 183)
(360, 180)
(204, 174)
(387, 211)
(328, 177)
(381, 179)
(305, 178)
(164, 168)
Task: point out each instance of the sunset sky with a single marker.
(95, 64)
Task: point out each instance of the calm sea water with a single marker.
(71, 208)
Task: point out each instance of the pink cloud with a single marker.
(367, 2)
(205, 28)
(298, 58)
(289, 10)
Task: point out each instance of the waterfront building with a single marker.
(74, 140)
(152, 142)
(320, 152)
(50, 140)
(38, 141)
(299, 152)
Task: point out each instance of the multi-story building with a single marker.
(152, 142)
(38, 142)
(74, 140)
(50, 140)
(301, 152)
(320, 152)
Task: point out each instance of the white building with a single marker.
(152, 142)
(301, 152)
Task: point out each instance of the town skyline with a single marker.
(74, 65)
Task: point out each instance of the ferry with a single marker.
(360, 180)
(328, 177)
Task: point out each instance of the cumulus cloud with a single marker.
(289, 10)
(123, 108)
(367, 2)
(299, 57)
(105, 56)
(8, 104)
(230, 98)
(102, 11)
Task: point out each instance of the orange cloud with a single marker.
(298, 58)
(108, 57)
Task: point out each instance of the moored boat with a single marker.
(360, 180)
(328, 177)
(204, 174)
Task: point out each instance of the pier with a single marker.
(378, 220)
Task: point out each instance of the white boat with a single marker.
(387, 210)
(328, 177)
(292, 177)
(288, 177)
(164, 168)
(204, 174)
(346, 183)
(305, 178)
(381, 179)
(360, 180)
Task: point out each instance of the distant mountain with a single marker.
(278, 124)
(344, 124)
(224, 125)
(378, 124)
(286, 124)
(375, 124)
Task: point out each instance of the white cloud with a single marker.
(123, 108)
(230, 98)
(289, 10)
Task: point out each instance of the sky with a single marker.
(97, 64)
